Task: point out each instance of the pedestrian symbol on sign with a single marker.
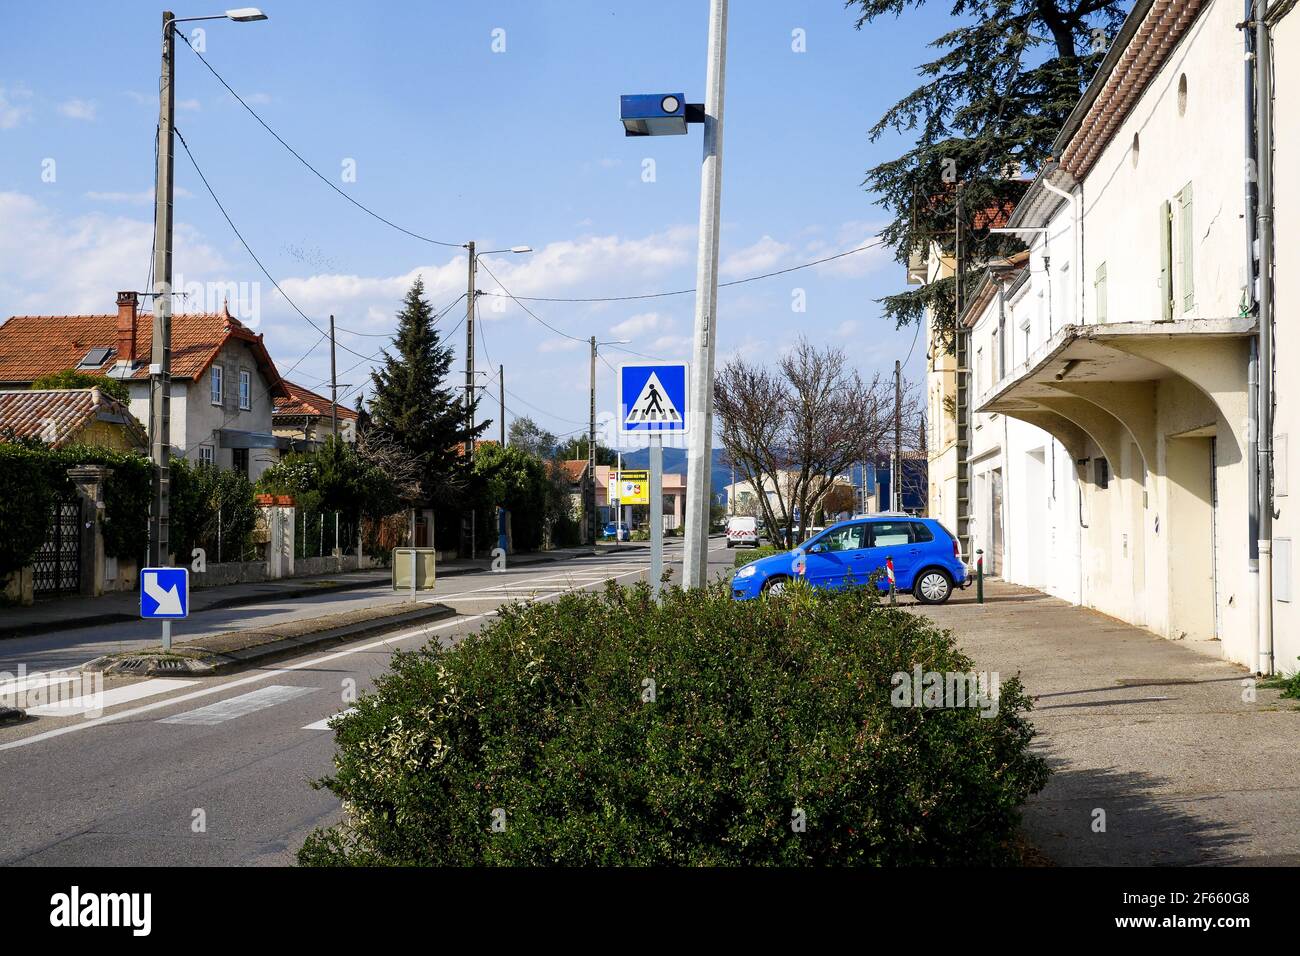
(652, 405)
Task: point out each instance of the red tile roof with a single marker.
(58, 416)
(574, 468)
(303, 401)
(36, 345)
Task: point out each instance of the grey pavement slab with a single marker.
(1155, 734)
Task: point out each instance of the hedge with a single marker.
(745, 556)
(33, 476)
(541, 740)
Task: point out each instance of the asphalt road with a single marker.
(215, 771)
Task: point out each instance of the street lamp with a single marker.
(591, 431)
(667, 114)
(469, 330)
(161, 344)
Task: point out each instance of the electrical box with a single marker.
(424, 566)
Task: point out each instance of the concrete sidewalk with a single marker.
(66, 613)
(1153, 732)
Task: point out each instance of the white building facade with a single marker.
(1112, 447)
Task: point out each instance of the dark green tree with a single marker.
(533, 439)
(576, 448)
(989, 107)
(413, 406)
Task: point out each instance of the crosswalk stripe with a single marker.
(240, 706)
(324, 724)
(33, 682)
(91, 703)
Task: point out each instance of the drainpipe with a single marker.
(1251, 307)
(1264, 169)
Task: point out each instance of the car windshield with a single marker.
(846, 538)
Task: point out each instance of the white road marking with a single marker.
(34, 682)
(324, 724)
(254, 678)
(240, 706)
(90, 703)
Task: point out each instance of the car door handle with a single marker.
(914, 551)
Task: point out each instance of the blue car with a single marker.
(621, 530)
(926, 556)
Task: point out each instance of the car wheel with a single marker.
(933, 587)
(774, 586)
(729, 544)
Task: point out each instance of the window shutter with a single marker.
(1166, 277)
(1185, 228)
(1099, 290)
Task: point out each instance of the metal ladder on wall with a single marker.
(962, 374)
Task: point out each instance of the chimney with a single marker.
(128, 304)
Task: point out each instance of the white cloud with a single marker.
(144, 197)
(78, 109)
(14, 107)
(558, 345)
(638, 325)
(50, 264)
(758, 257)
(189, 106)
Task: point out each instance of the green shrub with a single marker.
(745, 555)
(25, 502)
(211, 509)
(1289, 685)
(70, 378)
(33, 476)
(760, 709)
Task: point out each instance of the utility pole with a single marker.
(591, 448)
(160, 356)
(896, 480)
(501, 387)
(695, 544)
(334, 386)
(469, 348)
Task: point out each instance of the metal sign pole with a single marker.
(656, 515)
(167, 635)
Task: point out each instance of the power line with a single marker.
(368, 211)
(248, 248)
(660, 295)
(524, 307)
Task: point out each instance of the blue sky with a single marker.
(456, 141)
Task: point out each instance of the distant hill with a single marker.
(675, 461)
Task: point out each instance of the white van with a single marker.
(742, 529)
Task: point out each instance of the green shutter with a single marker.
(1166, 275)
(1185, 228)
(1099, 291)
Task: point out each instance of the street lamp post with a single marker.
(472, 296)
(161, 341)
(591, 435)
(665, 114)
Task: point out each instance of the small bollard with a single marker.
(979, 575)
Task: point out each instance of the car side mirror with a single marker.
(817, 549)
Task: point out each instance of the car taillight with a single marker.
(956, 549)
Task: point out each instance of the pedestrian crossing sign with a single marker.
(652, 397)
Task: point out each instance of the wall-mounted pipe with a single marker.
(1264, 229)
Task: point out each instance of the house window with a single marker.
(245, 389)
(1101, 473)
(206, 455)
(239, 460)
(214, 379)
